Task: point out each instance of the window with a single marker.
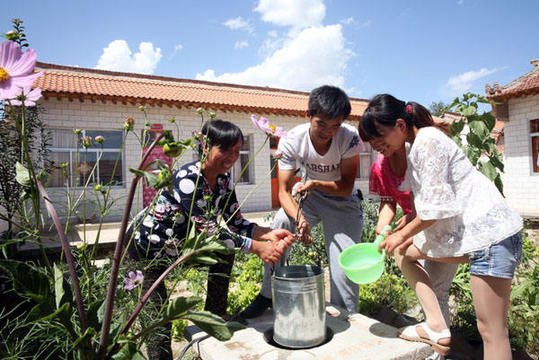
(534, 135)
(245, 154)
(365, 162)
(66, 148)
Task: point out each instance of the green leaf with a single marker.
(64, 312)
(495, 160)
(489, 120)
(39, 311)
(456, 127)
(474, 140)
(22, 174)
(62, 289)
(469, 111)
(28, 282)
(206, 260)
(499, 184)
(94, 320)
(180, 305)
(479, 128)
(489, 170)
(129, 351)
(137, 172)
(89, 333)
(213, 324)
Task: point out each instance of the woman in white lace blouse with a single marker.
(460, 217)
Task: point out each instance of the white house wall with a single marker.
(521, 185)
(108, 116)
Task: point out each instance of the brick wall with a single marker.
(521, 185)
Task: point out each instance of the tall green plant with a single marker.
(480, 146)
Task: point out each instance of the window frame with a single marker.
(81, 150)
(534, 146)
(247, 139)
(372, 157)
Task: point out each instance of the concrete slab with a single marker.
(355, 336)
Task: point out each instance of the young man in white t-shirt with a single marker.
(328, 151)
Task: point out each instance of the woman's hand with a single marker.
(404, 220)
(271, 251)
(277, 235)
(391, 242)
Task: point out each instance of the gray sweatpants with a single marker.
(342, 220)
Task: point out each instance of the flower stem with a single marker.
(111, 289)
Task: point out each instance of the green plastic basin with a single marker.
(362, 263)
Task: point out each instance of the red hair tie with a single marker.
(409, 109)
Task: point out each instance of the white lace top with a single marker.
(471, 213)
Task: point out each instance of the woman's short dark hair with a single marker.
(385, 109)
(220, 133)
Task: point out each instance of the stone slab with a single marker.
(355, 336)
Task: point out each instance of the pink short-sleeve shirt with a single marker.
(386, 184)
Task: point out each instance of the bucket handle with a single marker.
(381, 238)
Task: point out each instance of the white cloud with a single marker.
(460, 2)
(298, 14)
(241, 44)
(272, 33)
(239, 23)
(459, 84)
(177, 48)
(315, 56)
(348, 20)
(118, 57)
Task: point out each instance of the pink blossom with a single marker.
(263, 124)
(133, 280)
(16, 70)
(28, 96)
(277, 155)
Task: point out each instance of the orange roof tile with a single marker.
(527, 84)
(100, 85)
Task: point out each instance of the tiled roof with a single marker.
(99, 85)
(527, 84)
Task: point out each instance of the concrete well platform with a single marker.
(355, 336)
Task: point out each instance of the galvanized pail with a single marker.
(299, 309)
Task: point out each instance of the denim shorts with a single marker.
(498, 260)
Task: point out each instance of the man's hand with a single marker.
(391, 242)
(303, 231)
(306, 187)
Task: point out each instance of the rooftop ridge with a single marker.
(169, 79)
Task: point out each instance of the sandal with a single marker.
(410, 333)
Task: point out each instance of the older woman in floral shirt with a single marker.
(203, 191)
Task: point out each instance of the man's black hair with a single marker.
(329, 101)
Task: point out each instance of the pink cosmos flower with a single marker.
(28, 96)
(99, 139)
(133, 280)
(263, 124)
(16, 70)
(277, 155)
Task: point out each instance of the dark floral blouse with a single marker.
(164, 225)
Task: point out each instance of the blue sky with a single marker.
(416, 50)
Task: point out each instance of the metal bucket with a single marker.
(299, 309)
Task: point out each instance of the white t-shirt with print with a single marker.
(297, 149)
